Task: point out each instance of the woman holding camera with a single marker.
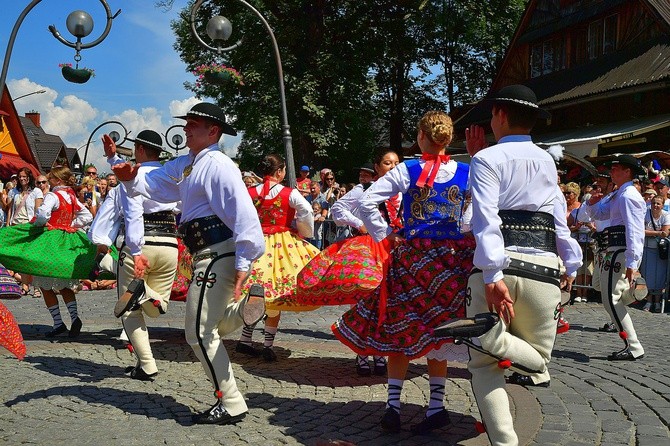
(654, 257)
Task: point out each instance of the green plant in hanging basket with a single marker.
(76, 75)
(217, 74)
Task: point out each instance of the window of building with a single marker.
(610, 34)
(547, 57)
(602, 37)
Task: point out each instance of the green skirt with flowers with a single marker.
(40, 251)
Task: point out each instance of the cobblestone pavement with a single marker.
(74, 392)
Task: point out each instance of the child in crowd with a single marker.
(317, 240)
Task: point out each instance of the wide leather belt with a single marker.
(529, 230)
(615, 236)
(528, 270)
(203, 232)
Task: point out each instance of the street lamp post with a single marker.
(219, 28)
(177, 141)
(79, 23)
(29, 94)
(113, 134)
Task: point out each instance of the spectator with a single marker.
(571, 193)
(648, 195)
(26, 200)
(43, 184)
(91, 171)
(330, 188)
(661, 187)
(103, 189)
(250, 179)
(303, 183)
(112, 181)
(316, 195)
(5, 198)
(87, 194)
(654, 268)
(317, 239)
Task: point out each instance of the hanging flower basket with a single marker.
(218, 74)
(76, 75)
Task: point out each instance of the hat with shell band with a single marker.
(149, 138)
(519, 95)
(212, 112)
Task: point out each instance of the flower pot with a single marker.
(217, 77)
(76, 75)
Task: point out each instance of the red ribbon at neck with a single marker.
(430, 169)
(266, 187)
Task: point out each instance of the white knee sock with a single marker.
(270, 333)
(55, 314)
(436, 403)
(394, 390)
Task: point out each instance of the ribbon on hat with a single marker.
(430, 169)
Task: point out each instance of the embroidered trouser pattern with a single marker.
(162, 255)
(528, 341)
(210, 314)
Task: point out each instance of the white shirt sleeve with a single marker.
(304, 215)
(342, 211)
(107, 221)
(43, 213)
(634, 211)
(133, 211)
(395, 181)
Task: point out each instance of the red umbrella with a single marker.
(10, 334)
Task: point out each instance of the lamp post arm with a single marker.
(10, 43)
(98, 128)
(80, 46)
(286, 130)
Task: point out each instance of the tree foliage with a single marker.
(358, 75)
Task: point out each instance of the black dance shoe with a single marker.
(56, 331)
(524, 380)
(75, 329)
(623, 355)
(246, 349)
(467, 327)
(269, 354)
(217, 415)
(435, 421)
(379, 368)
(390, 422)
(129, 299)
(254, 307)
(140, 375)
(608, 328)
(363, 366)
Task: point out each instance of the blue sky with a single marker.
(139, 76)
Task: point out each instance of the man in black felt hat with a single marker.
(520, 228)
(624, 241)
(148, 258)
(220, 227)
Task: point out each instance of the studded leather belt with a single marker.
(529, 230)
(615, 236)
(203, 232)
(161, 223)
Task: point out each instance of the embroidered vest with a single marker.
(62, 217)
(434, 212)
(275, 213)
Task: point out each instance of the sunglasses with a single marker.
(330, 178)
(40, 182)
(91, 173)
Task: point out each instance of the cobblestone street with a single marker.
(74, 392)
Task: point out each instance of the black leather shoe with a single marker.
(269, 355)
(623, 355)
(435, 421)
(254, 307)
(246, 349)
(609, 327)
(391, 420)
(56, 331)
(75, 329)
(140, 375)
(217, 415)
(524, 380)
(467, 327)
(129, 299)
(362, 366)
(379, 368)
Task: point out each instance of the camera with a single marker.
(88, 196)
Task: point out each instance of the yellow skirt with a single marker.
(285, 255)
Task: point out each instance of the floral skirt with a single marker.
(10, 334)
(184, 273)
(344, 272)
(426, 287)
(42, 252)
(285, 255)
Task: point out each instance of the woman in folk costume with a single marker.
(285, 252)
(53, 247)
(426, 282)
(354, 267)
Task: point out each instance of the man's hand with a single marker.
(475, 139)
(363, 229)
(141, 265)
(596, 197)
(109, 145)
(630, 276)
(566, 282)
(394, 239)
(240, 278)
(499, 300)
(125, 172)
(101, 249)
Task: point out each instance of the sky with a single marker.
(139, 78)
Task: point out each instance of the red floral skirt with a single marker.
(426, 287)
(344, 272)
(10, 334)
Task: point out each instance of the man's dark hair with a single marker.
(519, 116)
(152, 152)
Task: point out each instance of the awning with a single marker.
(606, 133)
(10, 164)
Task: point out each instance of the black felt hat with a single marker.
(629, 161)
(212, 112)
(369, 167)
(149, 138)
(519, 95)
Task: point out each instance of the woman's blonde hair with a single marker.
(88, 182)
(437, 126)
(64, 174)
(574, 188)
